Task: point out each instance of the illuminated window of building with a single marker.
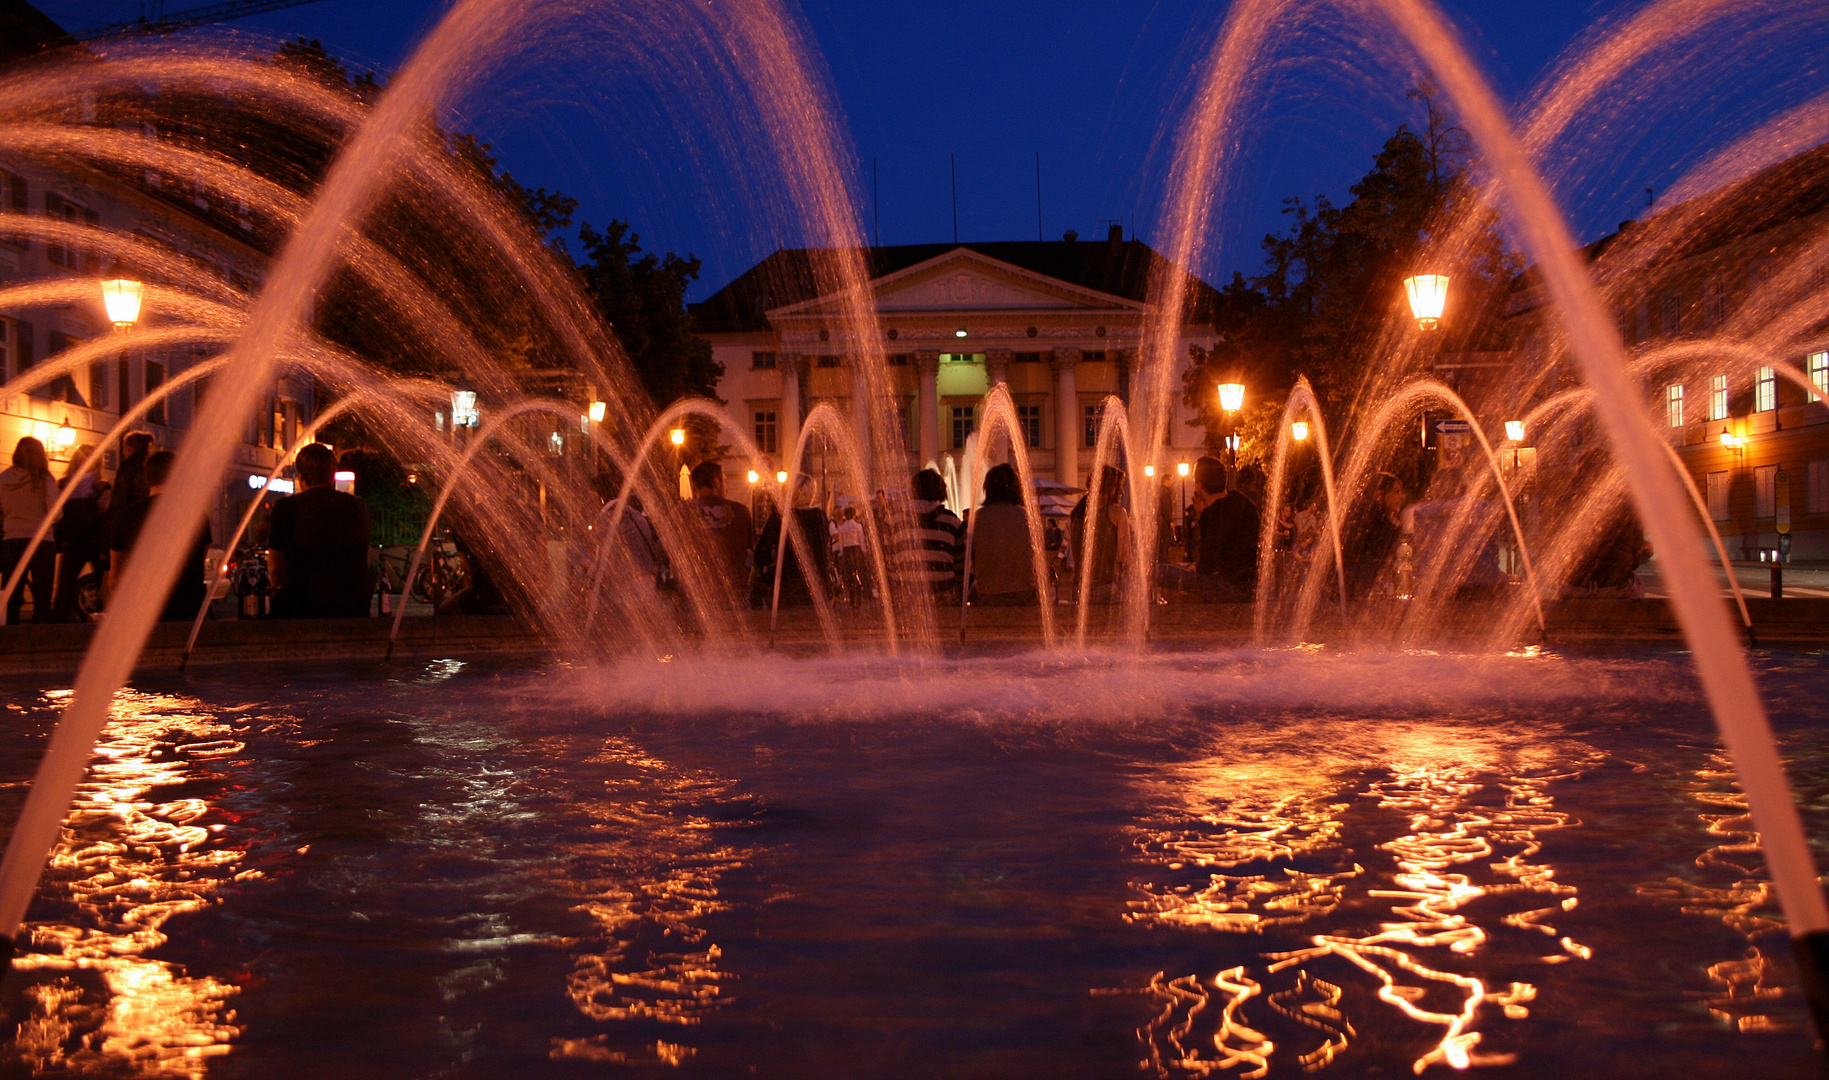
(1765, 390)
(1673, 404)
(1717, 398)
(1816, 365)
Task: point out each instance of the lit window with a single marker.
(1817, 366)
(1717, 495)
(1673, 404)
(1029, 419)
(1717, 399)
(1765, 390)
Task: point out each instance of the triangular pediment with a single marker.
(965, 280)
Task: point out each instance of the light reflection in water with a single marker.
(127, 863)
(1268, 849)
(1736, 890)
(651, 961)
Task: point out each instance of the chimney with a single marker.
(1070, 236)
(1117, 235)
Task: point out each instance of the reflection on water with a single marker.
(651, 960)
(1735, 889)
(1269, 847)
(131, 859)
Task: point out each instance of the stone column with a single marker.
(861, 423)
(1066, 416)
(996, 366)
(788, 427)
(927, 406)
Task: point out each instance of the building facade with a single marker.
(1059, 323)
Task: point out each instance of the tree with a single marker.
(643, 296)
(1332, 282)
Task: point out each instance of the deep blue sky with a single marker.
(1088, 83)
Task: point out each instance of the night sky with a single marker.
(1094, 87)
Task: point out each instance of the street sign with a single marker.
(1452, 427)
(1783, 483)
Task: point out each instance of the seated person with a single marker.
(318, 545)
(186, 595)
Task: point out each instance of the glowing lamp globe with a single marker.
(64, 437)
(1231, 396)
(1181, 468)
(1428, 294)
(598, 411)
(678, 436)
(754, 476)
(1514, 430)
(1149, 470)
(781, 477)
(1299, 431)
(122, 299)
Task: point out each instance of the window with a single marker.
(1717, 496)
(1026, 358)
(123, 385)
(1714, 301)
(1643, 320)
(1765, 390)
(155, 378)
(830, 361)
(1090, 421)
(63, 387)
(12, 198)
(1816, 493)
(61, 209)
(1673, 404)
(1765, 491)
(963, 425)
(1029, 419)
(765, 429)
(899, 359)
(1717, 398)
(1671, 309)
(762, 361)
(1816, 365)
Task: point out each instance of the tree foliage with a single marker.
(1330, 295)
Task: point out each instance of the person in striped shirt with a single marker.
(927, 547)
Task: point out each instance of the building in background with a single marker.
(1060, 323)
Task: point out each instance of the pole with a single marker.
(953, 164)
(876, 204)
(1038, 195)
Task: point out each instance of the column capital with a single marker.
(927, 362)
(791, 363)
(1065, 359)
(996, 365)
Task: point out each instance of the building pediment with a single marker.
(965, 280)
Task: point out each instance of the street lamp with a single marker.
(1231, 396)
(64, 438)
(1149, 470)
(1428, 295)
(1514, 430)
(1182, 470)
(754, 476)
(677, 436)
(598, 411)
(122, 298)
(781, 477)
(1299, 431)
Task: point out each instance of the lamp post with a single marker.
(1182, 469)
(1231, 400)
(1299, 431)
(1428, 296)
(121, 298)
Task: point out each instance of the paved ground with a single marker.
(1811, 582)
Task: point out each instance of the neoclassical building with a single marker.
(1059, 322)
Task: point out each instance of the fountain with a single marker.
(1232, 793)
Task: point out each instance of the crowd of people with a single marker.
(317, 550)
(320, 562)
(1391, 545)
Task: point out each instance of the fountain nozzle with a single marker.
(1811, 951)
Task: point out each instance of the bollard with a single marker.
(1778, 581)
